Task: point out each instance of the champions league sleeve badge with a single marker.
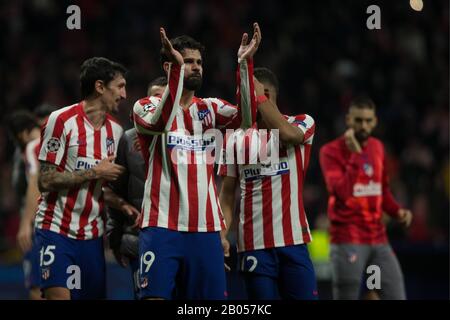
(53, 145)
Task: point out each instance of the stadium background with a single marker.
(323, 54)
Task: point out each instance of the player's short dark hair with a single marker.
(19, 121)
(183, 42)
(363, 102)
(266, 75)
(160, 82)
(98, 68)
(44, 110)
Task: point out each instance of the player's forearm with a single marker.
(226, 199)
(154, 121)
(112, 199)
(245, 97)
(31, 201)
(275, 120)
(52, 180)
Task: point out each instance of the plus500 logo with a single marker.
(85, 164)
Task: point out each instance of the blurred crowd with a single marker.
(322, 52)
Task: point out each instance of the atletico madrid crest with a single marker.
(110, 146)
(205, 117)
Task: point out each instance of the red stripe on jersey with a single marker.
(285, 208)
(209, 217)
(266, 186)
(193, 192)
(67, 213)
(209, 213)
(174, 200)
(94, 229)
(253, 105)
(48, 215)
(301, 210)
(248, 217)
(62, 165)
(81, 136)
(97, 145)
(84, 217)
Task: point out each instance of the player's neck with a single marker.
(186, 98)
(95, 112)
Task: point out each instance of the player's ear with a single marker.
(166, 65)
(375, 121)
(99, 87)
(348, 120)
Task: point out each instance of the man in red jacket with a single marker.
(355, 174)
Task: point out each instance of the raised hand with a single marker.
(351, 142)
(173, 55)
(247, 50)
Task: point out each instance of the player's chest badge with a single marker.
(368, 169)
(110, 146)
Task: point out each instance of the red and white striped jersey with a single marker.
(70, 142)
(31, 157)
(271, 210)
(180, 191)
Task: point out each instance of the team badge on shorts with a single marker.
(45, 273)
(144, 282)
(53, 145)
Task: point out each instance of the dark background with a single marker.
(321, 51)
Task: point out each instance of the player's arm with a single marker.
(339, 178)
(288, 133)
(25, 232)
(226, 200)
(245, 97)
(116, 193)
(51, 179)
(157, 115)
(390, 206)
